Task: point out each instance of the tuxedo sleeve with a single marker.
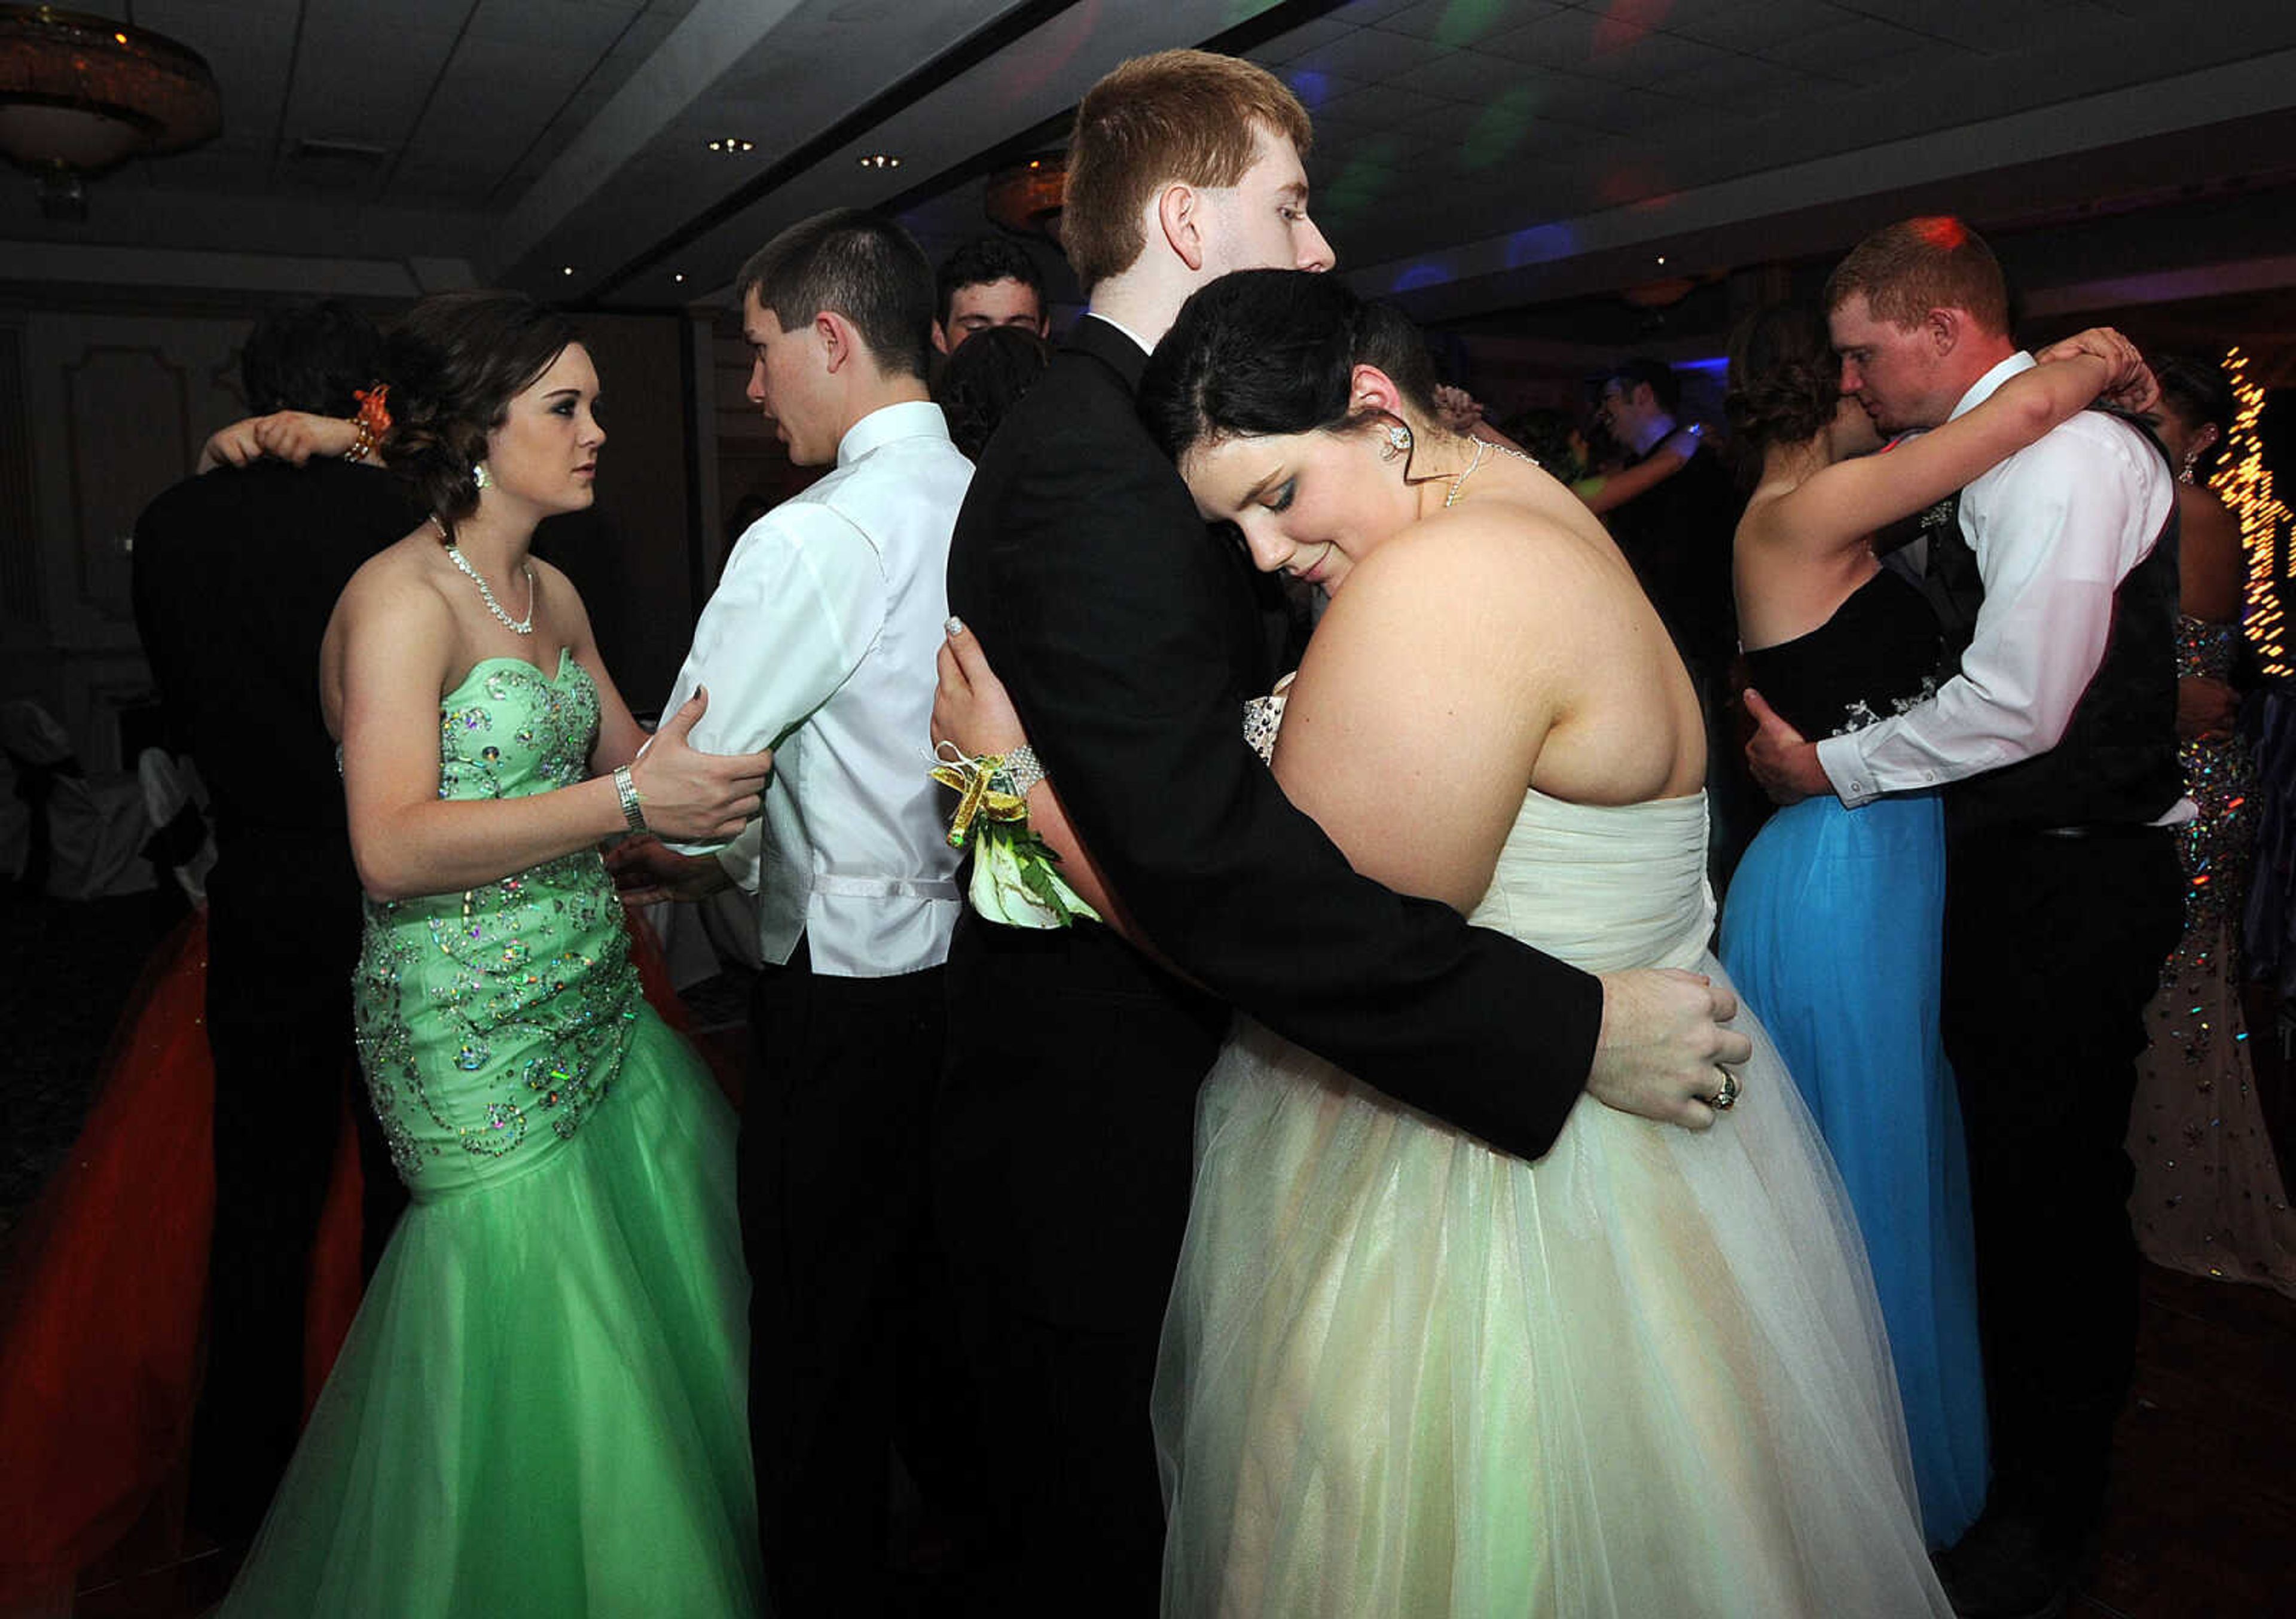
(1113, 616)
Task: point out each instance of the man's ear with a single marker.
(1180, 216)
(1945, 329)
(837, 338)
(940, 338)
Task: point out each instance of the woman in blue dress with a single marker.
(1833, 922)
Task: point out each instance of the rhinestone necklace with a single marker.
(1483, 446)
(525, 626)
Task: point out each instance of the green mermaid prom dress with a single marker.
(540, 1409)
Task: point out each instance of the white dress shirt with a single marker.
(2055, 528)
(819, 643)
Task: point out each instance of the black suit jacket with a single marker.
(236, 573)
(1125, 632)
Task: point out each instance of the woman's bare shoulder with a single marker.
(400, 584)
(1512, 559)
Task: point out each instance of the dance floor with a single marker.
(2204, 1495)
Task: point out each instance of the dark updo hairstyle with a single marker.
(456, 363)
(1274, 351)
(984, 379)
(1784, 384)
(2198, 393)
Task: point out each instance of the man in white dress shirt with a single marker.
(2055, 745)
(819, 644)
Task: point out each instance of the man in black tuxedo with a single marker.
(1126, 636)
(236, 571)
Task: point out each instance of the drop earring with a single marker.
(479, 476)
(1398, 441)
(2192, 457)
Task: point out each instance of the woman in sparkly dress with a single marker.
(540, 1406)
(2209, 1198)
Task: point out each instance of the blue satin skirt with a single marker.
(1832, 933)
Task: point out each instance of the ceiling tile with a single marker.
(1370, 54)
(1317, 91)
(1310, 34)
(1834, 51)
(1392, 107)
(1465, 23)
(1644, 58)
(1358, 13)
(1739, 82)
(1462, 76)
(565, 26)
(1750, 25)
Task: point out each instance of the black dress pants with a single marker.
(2053, 947)
(832, 1189)
(280, 955)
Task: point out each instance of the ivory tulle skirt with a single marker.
(1406, 1375)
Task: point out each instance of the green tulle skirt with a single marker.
(541, 1408)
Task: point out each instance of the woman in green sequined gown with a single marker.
(540, 1409)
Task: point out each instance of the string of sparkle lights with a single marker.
(2245, 485)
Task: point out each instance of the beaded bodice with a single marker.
(2203, 648)
(2217, 845)
(490, 1022)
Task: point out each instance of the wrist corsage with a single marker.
(1016, 877)
(373, 420)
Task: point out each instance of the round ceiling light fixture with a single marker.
(1027, 199)
(80, 95)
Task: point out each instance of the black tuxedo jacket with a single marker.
(236, 573)
(1125, 632)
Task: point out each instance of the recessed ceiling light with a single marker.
(567, 270)
(880, 159)
(732, 145)
(1661, 258)
(679, 275)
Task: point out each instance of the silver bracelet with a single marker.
(1021, 765)
(626, 785)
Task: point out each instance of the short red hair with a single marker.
(1189, 116)
(1933, 262)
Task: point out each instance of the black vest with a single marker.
(2116, 760)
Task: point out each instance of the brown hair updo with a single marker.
(456, 363)
(1784, 384)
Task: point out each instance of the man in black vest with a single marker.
(1127, 638)
(236, 573)
(2057, 744)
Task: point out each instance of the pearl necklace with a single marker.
(1483, 446)
(522, 627)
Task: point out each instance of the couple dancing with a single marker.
(1405, 1370)
(1516, 1319)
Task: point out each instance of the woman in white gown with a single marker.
(1403, 1374)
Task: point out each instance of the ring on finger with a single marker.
(1726, 1097)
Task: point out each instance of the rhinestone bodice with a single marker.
(490, 1023)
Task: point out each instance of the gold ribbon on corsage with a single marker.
(1015, 874)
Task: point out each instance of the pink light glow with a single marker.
(1624, 21)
